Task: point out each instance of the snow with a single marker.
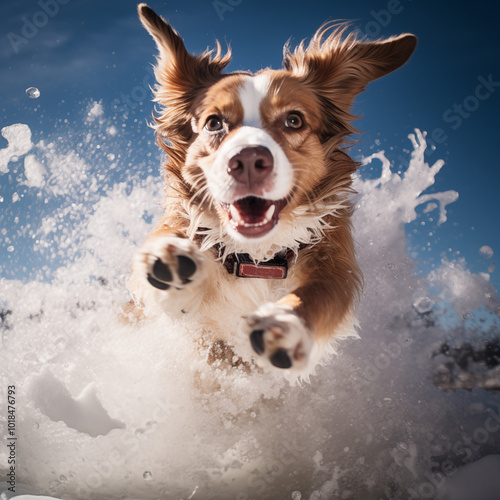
(34, 171)
(95, 110)
(479, 480)
(486, 252)
(122, 410)
(19, 143)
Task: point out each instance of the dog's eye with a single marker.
(213, 124)
(294, 120)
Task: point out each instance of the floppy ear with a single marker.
(178, 71)
(338, 68)
(180, 75)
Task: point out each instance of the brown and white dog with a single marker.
(256, 238)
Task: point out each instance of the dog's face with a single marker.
(253, 148)
(255, 138)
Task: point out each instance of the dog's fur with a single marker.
(276, 138)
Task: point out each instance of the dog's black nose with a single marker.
(251, 166)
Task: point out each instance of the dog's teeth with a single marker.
(236, 217)
(235, 214)
(270, 212)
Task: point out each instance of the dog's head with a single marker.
(253, 148)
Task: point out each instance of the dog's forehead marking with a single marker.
(252, 91)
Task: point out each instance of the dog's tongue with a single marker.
(254, 217)
(252, 210)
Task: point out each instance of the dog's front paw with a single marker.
(171, 263)
(280, 336)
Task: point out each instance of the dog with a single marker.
(256, 242)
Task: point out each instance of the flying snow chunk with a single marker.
(32, 92)
(423, 305)
(95, 110)
(84, 413)
(35, 172)
(486, 252)
(430, 207)
(19, 138)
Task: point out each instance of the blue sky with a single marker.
(84, 50)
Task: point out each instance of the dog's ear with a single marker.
(339, 67)
(181, 78)
(178, 72)
(168, 41)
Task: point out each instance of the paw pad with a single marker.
(281, 359)
(257, 341)
(280, 336)
(162, 277)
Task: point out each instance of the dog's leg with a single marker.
(171, 272)
(284, 332)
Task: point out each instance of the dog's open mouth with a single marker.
(254, 217)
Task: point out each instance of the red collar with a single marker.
(243, 266)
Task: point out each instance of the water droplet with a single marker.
(147, 476)
(63, 478)
(60, 343)
(423, 305)
(110, 157)
(296, 495)
(486, 252)
(390, 266)
(36, 426)
(466, 316)
(33, 93)
(10, 248)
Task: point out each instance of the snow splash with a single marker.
(106, 410)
